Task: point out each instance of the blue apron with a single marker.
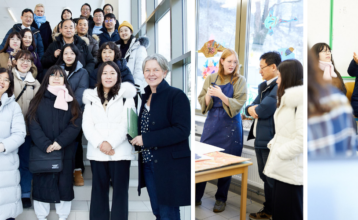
(219, 129)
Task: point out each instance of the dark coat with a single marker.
(266, 101)
(353, 71)
(126, 74)
(38, 39)
(92, 43)
(46, 33)
(54, 125)
(168, 137)
(104, 37)
(86, 57)
(79, 82)
(90, 24)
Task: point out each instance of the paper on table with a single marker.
(200, 157)
(201, 148)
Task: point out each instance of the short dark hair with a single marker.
(87, 5)
(77, 52)
(10, 90)
(107, 5)
(61, 23)
(272, 57)
(82, 18)
(109, 15)
(27, 55)
(27, 10)
(98, 10)
(114, 90)
(22, 33)
(112, 46)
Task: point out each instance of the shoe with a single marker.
(219, 206)
(198, 203)
(26, 203)
(261, 215)
(78, 178)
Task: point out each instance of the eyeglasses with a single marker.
(326, 51)
(86, 9)
(5, 80)
(24, 61)
(98, 16)
(15, 39)
(264, 67)
(56, 76)
(111, 20)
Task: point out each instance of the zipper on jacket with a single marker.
(264, 91)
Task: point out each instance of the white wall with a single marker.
(122, 9)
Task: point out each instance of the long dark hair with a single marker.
(291, 72)
(111, 45)
(63, 11)
(34, 104)
(26, 55)
(74, 48)
(10, 90)
(319, 47)
(114, 90)
(7, 44)
(22, 33)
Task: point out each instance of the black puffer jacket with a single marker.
(54, 125)
(86, 58)
(46, 33)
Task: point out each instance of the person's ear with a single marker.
(165, 73)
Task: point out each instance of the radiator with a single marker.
(253, 176)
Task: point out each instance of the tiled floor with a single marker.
(232, 210)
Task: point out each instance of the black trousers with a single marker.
(223, 185)
(103, 172)
(287, 201)
(79, 153)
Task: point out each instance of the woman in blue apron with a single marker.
(222, 97)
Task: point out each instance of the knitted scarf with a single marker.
(39, 20)
(328, 69)
(63, 97)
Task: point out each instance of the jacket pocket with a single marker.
(180, 154)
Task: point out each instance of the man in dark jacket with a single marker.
(263, 128)
(108, 9)
(86, 12)
(41, 24)
(27, 17)
(109, 33)
(68, 36)
(91, 41)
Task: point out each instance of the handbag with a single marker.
(42, 162)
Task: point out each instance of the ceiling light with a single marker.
(12, 15)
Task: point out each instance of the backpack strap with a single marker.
(22, 91)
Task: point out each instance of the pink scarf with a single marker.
(328, 69)
(62, 96)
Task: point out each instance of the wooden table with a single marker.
(230, 170)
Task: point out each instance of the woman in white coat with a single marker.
(110, 154)
(12, 135)
(284, 163)
(134, 51)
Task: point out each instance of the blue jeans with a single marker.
(161, 211)
(26, 176)
(262, 155)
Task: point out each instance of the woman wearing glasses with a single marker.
(54, 120)
(13, 131)
(26, 87)
(323, 53)
(109, 33)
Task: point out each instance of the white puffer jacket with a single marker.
(111, 125)
(12, 135)
(285, 161)
(137, 52)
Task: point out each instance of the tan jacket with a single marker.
(4, 58)
(32, 87)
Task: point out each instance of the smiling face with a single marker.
(27, 39)
(27, 19)
(109, 23)
(125, 33)
(107, 54)
(325, 55)
(56, 79)
(267, 71)
(15, 42)
(229, 64)
(153, 74)
(40, 11)
(82, 27)
(109, 77)
(66, 15)
(69, 56)
(23, 64)
(68, 29)
(85, 11)
(107, 9)
(98, 18)
(4, 82)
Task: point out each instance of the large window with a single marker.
(163, 39)
(143, 13)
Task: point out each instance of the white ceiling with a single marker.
(53, 9)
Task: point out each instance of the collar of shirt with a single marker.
(23, 27)
(268, 82)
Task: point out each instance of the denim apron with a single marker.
(219, 129)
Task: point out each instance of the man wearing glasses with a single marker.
(86, 13)
(27, 17)
(109, 31)
(262, 130)
(108, 9)
(98, 18)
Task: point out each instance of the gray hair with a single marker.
(163, 63)
(39, 5)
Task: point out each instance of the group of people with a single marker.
(277, 128)
(81, 78)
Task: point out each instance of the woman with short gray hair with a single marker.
(164, 129)
(42, 25)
